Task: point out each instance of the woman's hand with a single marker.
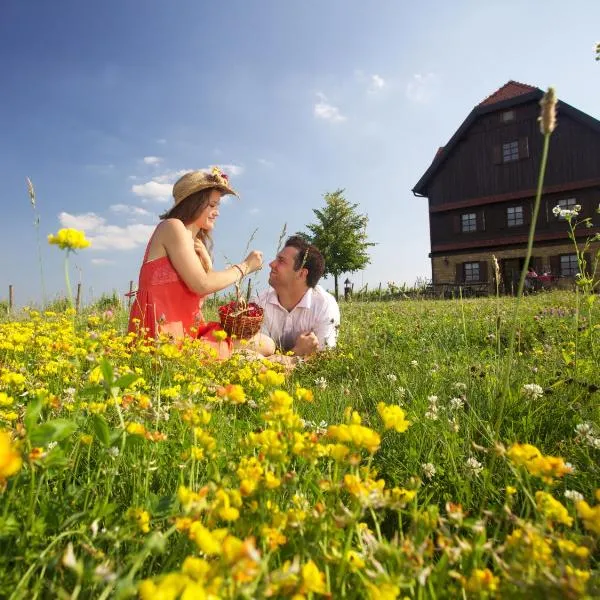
(203, 254)
(253, 262)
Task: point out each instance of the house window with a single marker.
(510, 151)
(568, 265)
(468, 222)
(514, 216)
(507, 116)
(566, 203)
(471, 272)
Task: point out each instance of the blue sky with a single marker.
(102, 104)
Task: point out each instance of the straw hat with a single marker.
(196, 181)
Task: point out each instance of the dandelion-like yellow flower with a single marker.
(393, 417)
(482, 580)
(383, 591)
(69, 239)
(537, 464)
(312, 579)
(552, 509)
(590, 515)
(10, 458)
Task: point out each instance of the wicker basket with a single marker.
(237, 322)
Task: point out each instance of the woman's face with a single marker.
(209, 215)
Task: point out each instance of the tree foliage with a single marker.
(340, 233)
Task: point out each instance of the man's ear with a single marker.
(303, 273)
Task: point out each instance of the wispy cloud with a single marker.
(326, 111)
(107, 237)
(422, 88)
(153, 190)
(130, 210)
(152, 160)
(102, 261)
(233, 170)
(266, 163)
(376, 84)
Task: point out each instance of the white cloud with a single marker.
(152, 160)
(153, 190)
(107, 237)
(376, 84)
(233, 170)
(130, 210)
(102, 261)
(326, 111)
(422, 87)
(266, 163)
(161, 141)
(86, 221)
(170, 176)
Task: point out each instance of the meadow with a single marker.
(413, 461)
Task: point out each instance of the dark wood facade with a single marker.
(481, 187)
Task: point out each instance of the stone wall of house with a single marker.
(444, 267)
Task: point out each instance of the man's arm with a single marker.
(326, 327)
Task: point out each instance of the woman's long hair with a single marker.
(188, 210)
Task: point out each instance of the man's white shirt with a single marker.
(317, 311)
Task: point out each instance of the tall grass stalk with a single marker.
(36, 223)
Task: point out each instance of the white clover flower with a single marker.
(432, 399)
(583, 428)
(414, 363)
(573, 496)
(401, 391)
(460, 386)
(428, 470)
(113, 451)
(456, 403)
(454, 426)
(474, 465)
(321, 382)
(391, 377)
(532, 390)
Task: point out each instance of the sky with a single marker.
(104, 104)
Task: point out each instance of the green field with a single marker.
(133, 470)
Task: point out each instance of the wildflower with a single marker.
(233, 392)
(312, 579)
(136, 429)
(552, 509)
(141, 518)
(273, 537)
(321, 383)
(271, 378)
(456, 403)
(532, 391)
(589, 515)
(401, 496)
(531, 458)
(69, 239)
(391, 377)
(511, 490)
(474, 466)
(393, 417)
(220, 335)
(573, 496)
(10, 458)
(383, 591)
(304, 394)
(428, 470)
(482, 580)
(360, 436)
(86, 439)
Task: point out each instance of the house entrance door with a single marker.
(511, 271)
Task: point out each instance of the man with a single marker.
(299, 315)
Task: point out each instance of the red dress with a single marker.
(163, 303)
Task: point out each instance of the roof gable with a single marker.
(510, 94)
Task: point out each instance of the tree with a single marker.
(340, 233)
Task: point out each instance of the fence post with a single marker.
(379, 291)
(130, 295)
(78, 298)
(10, 298)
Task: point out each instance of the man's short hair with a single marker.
(309, 257)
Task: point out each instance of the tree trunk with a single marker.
(335, 279)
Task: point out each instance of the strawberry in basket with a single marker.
(240, 318)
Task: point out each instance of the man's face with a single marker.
(282, 269)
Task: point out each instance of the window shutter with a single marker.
(483, 271)
(457, 224)
(497, 155)
(459, 273)
(555, 265)
(480, 220)
(523, 147)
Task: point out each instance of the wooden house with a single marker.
(481, 188)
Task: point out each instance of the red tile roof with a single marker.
(509, 90)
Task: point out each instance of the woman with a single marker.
(177, 273)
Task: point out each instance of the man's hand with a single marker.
(306, 343)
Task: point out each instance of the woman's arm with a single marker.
(179, 247)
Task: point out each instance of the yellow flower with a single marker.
(141, 518)
(271, 481)
(220, 335)
(195, 567)
(304, 394)
(482, 580)
(69, 239)
(207, 541)
(393, 417)
(552, 509)
(5, 399)
(86, 439)
(312, 579)
(136, 429)
(589, 515)
(273, 537)
(532, 459)
(355, 560)
(10, 458)
(383, 591)
(233, 392)
(511, 490)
